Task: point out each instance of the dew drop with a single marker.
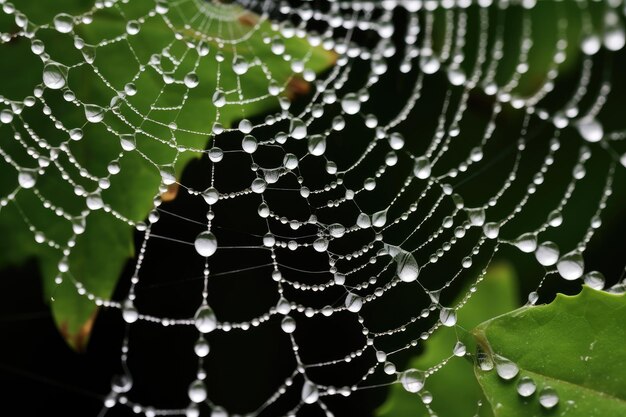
(297, 129)
(129, 312)
(413, 380)
(422, 168)
(94, 113)
(310, 392)
(288, 324)
(447, 316)
(590, 129)
(205, 319)
(351, 104)
(121, 383)
(526, 387)
(201, 348)
(476, 216)
(191, 80)
(506, 369)
(128, 142)
(595, 280)
(205, 244)
(27, 178)
(407, 268)
(526, 243)
(317, 145)
(219, 99)
(547, 253)
(491, 230)
(63, 23)
(197, 391)
(354, 302)
(240, 66)
(55, 76)
(459, 349)
(548, 397)
(571, 266)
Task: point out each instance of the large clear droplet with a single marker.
(506, 369)
(526, 387)
(94, 113)
(354, 302)
(205, 319)
(128, 142)
(240, 66)
(310, 392)
(571, 266)
(288, 324)
(197, 391)
(595, 280)
(590, 129)
(219, 99)
(351, 104)
(27, 178)
(413, 380)
(201, 348)
(422, 168)
(129, 312)
(297, 129)
(63, 23)
(55, 76)
(317, 145)
(407, 268)
(205, 244)
(547, 253)
(548, 397)
(476, 216)
(526, 243)
(447, 316)
(379, 218)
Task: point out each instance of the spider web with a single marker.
(342, 209)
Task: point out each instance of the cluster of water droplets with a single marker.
(393, 241)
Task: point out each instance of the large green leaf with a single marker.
(575, 345)
(101, 251)
(497, 294)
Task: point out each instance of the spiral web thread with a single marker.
(400, 242)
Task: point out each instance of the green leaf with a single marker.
(98, 256)
(574, 345)
(496, 294)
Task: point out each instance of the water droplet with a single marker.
(283, 306)
(206, 244)
(240, 66)
(555, 218)
(168, 174)
(363, 221)
(354, 302)
(422, 168)
(297, 129)
(63, 23)
(219, 99)
(447, 316)
(94, 113)
(379, 218)
(121, 383)
(201, 348)
(310, 392)
(197, 391)
(571, 266)
(389, 368)
(491, 230)
(249, 144)
(506, 369)
(476, 216)
(526, 243)
(288, 324)
(547, 253)
(129, 312)
(133, 27)
(205, 319)
(413, 380)
(55, 76)
(407, 268)
(191, 80)
(317, 145)
(526, 387)
(459, 349)
(595, 280)
(94, 201)
(548, 397)
(396, 141)
(27, 178)
(128, 142)
(483, 359)
(351, 104)
(590, 129)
